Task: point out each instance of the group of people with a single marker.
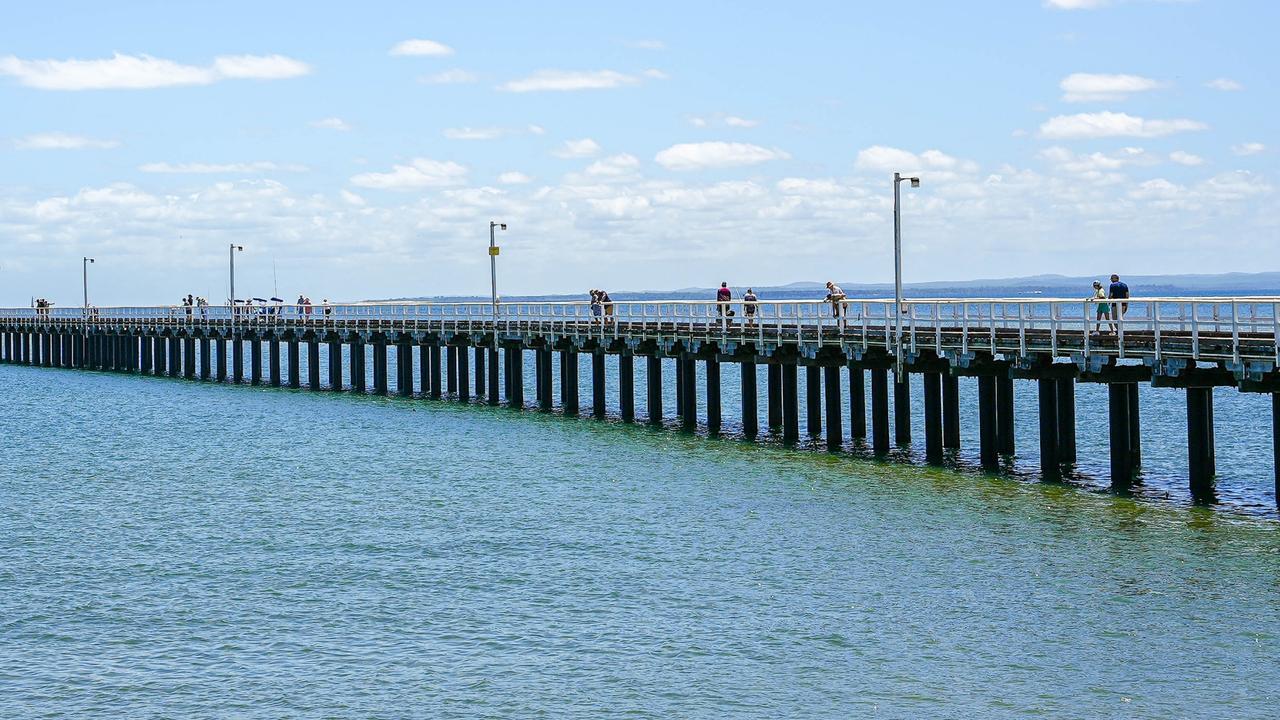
(42, 307)
(601, 305)
(1109, 313)
(191, 301)
(751, 302)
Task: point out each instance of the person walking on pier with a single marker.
(597, 307)
(723, 296)
(1104, 308)
(607, 303)
(1118, 291)
(749, 306)
(836, 297)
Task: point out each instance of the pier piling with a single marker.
(295, 364)
(902, 409)
(988, 451)
(857, 403)
(933, 418)
(1050, 461)
(335, 364)
(713, 395)
(790, 405)
(880, 410)
(380, 365)
(1119, 435)
(597, 384)
(627, 386)
(750, 399)
(831, 388)
(464, 374)
(774, 390)
(492, 394)
(1004, 414)
(1067, 420)
(221, 364)
(1200, 460)
(313, 363)
(813, 399)
(653, 380)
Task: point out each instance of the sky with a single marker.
(360, 150)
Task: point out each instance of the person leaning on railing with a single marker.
(750, 304)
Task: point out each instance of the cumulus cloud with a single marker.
(1185, 158)
(454, 76)
(490, 133)
(513, 177)
(136, 72)
(567, 80)
(62, 141)
(218, 168)
(1224, 84)
(429, 48)
(614, 166)
(933, 163)
(1113, 124)
(419, 173)
(584, 147)
(1089, 87)
(331, 123)
(1251, 148)
(734, 121)
(705, 155)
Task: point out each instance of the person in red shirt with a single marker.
(723, 296)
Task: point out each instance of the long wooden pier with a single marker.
(1190, 344)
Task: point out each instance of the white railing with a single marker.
(1235, 329)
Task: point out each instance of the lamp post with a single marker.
(232, 254)
(897, 269)
(493, 269)
(85, 268)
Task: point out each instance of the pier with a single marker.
(478, 351)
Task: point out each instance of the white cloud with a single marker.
(614, 166)
(421, 47)
(933, 163)
(455, 76)
(1089, 87)
(352, 198)
(218, 168)
(1252, 148)
(1186, 158)
(419, 173)
(1224, 84)
(646, 44)
(585, 147)
(565, 80)
(1112, 124)
(702, 155)
(331, 123)
(696, 121)
(733, 121)
(536, 130)
(62, 141)
(470, 133)
(512, 177)
(1074, 4)
(721, 119)
(134, 72)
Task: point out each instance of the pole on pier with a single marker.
(1118, 412)
(404, 368)
(750, 399)
(492, 394)
(880, 411)
(464, 374)
(206, 362)
(653, 379)
(831, 388)
(188, 355)
(313, 363)
(988, 450)
(358, 371)
(380, 365)
(813, 399)
(295, 364)
(597, 383)
(335, 365)
(1050, 460)
(221, 365)
(1135, 428)
(790, 404)
(517, 377)
(1200, 460)
(689, 382)
(933, 418)
(481, 376)
(437, 371)
(273, 362)
(1067, 420)
(237, 359)
(902, 408)
(774, 389)
(950, 411)
(627, 386)
(569, 381)
(857, 403)
(714, 420)
(1004, 415)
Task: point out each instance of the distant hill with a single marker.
(1262, 283)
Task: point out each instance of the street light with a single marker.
(232, 253)
(493, 269)
(85, 268)
(897, 268)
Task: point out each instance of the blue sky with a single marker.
(360, 151)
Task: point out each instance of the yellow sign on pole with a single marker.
(493, 250)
